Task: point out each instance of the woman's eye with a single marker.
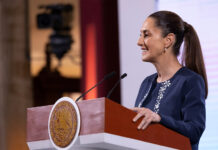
(145, 35)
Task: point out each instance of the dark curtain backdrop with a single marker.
(100, 46)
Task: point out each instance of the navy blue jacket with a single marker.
(182, 107)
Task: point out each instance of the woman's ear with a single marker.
(170, 40)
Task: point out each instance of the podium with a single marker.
(105, 125)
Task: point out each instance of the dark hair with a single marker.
(192, 56)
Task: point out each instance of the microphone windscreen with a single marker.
(123, 75)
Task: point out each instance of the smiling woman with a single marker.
(151, 41)
(175, 95)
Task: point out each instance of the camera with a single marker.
(59, 18)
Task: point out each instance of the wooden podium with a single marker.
(105, 125)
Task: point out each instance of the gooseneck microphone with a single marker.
(105, 78)
(121, 77)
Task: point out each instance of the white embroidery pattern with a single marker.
(161, 92)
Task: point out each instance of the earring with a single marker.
(165, 49)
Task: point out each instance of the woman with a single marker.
(175, 95)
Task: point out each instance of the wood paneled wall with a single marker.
(15, 82)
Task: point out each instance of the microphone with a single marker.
(121, 77)
(105, 78)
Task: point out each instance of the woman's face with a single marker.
(151, 41)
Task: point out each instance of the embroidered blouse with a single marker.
(180, 101)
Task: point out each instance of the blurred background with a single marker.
(55, 48)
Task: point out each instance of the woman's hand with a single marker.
(148, 117)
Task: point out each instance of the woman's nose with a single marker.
(140, 41)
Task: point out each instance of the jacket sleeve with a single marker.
(193, 111)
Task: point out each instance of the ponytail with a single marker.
(192, 56)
